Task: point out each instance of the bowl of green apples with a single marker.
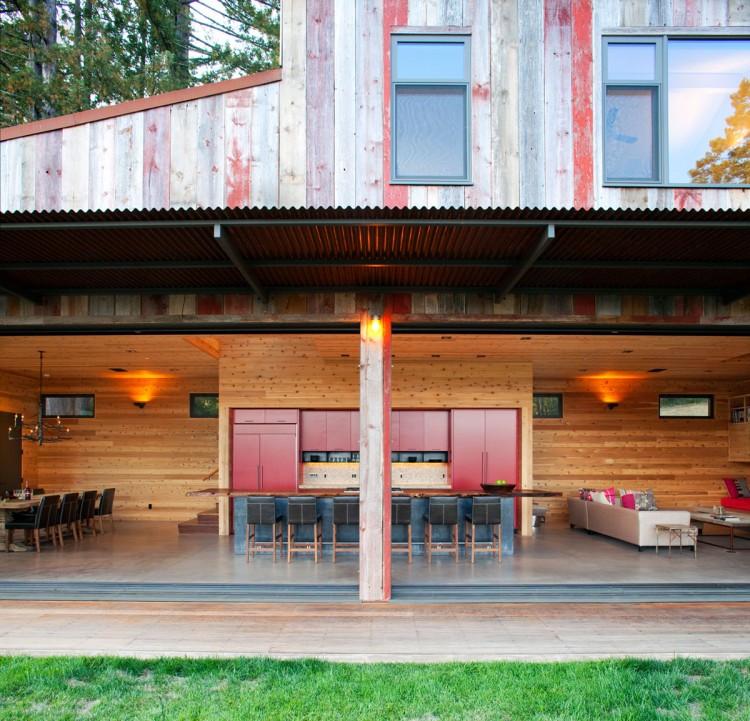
(499, 487)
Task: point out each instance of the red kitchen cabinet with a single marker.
(395, 430)
(484, 447)
(339, 431)
(264, 457)
(266, 415)
(354, 430)
(411, 431)
(313, 431)
(437, 430)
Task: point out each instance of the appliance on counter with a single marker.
(339, 457)
(435, 457)
(410, 457)
(314, 457)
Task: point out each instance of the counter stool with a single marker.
(401, 516)
(345, 513)
(261, 511)
(303, 511)
(485, 511)
(441, 512)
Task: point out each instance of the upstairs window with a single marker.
(676, 111)
(430, 92)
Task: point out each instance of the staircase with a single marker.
(204, 522)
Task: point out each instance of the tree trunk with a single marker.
(43, 42)
(180, 58)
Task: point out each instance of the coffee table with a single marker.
(716, 520)
(676, 532)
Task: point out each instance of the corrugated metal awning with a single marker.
(268, 251)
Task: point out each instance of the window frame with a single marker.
(557, 396)
(702, 396)
(192, 409)
(463, 39)
(660, 118)
(47, 396)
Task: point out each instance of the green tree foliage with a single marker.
(728, 161)
(63, 56)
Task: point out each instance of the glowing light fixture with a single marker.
(39, 432)
(375, 324)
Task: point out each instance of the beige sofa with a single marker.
(625, 524)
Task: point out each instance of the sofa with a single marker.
(625, 524)
(739, 495)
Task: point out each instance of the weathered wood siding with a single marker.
(321, 137)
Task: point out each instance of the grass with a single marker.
(173, 689)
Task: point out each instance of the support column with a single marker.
(375, 454)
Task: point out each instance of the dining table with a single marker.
(8, 506)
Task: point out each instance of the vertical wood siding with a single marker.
(321, 136)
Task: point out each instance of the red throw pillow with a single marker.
(731, 488)
(628, 501)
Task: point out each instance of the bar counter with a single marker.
(421, 498)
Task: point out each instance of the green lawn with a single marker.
(250, 688)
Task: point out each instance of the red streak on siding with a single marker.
(688, 199)
(582, 98)
(238, 167)
(584, 304)
(209, 304)
(395, 13)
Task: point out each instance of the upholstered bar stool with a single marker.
(441, 512)
(401, 516)
(345, 513)
(485, 511)
(261, 511)
(303, 511)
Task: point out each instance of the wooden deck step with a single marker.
(204, 522)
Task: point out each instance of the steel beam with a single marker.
(228, 246)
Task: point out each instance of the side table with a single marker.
(676, 532)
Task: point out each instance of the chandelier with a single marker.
(39, 432)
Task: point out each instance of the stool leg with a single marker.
(289, 542)
(408, 540)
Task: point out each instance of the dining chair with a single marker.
(44, 519)
(401, 516)
(86, 508)
(104, 508)
(485, 511)
(66, 516)
(441, 511)
(345, 513)
(261, 511)
(303, 511)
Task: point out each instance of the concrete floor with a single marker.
(153, 552)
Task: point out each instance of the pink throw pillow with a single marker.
(731, 488)
(628, 501)
(610, 494)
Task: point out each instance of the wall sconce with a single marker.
(612, 405)
(140, 404)
(375, 324)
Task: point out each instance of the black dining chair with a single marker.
(104, 508)
(441, 511)
(261, 511)
(303, 511)
(401, 516)
(67, 513)
(44, 519)
(86, 509)
(345, 513)
(485, 511)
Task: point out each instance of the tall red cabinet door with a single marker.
(264, 458)
(501, 445)
(467, 457)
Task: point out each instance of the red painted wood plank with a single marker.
(156, 164)
(395, 13)
(320, 103)
(48, 188)
(687, 13)
(209, 304)
(584, 305)
(583, 113)
(688, 199)
(238, 162)
(401, 303)
(238, 304)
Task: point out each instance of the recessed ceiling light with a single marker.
(656, 370)
(118, 370)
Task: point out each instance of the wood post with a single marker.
(375, 455)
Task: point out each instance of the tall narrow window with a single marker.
(430, 92)
(675, 111)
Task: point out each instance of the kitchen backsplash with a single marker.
(404, 475)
